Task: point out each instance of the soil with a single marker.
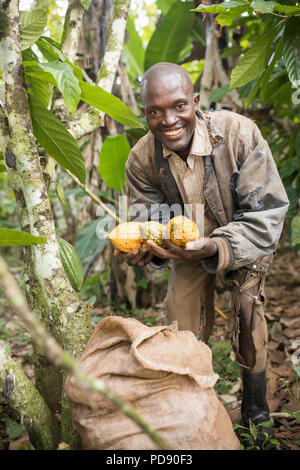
(282, 310)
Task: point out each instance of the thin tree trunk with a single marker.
(23, 397)
(48, 288)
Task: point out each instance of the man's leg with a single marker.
(250, 340)
(190, 298)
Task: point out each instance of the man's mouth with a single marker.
(173, 131)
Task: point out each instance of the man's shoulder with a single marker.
(141, 153)
(144, 145)
(229, 119)
(228, 123)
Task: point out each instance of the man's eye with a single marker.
(180, 106)
(154, 112)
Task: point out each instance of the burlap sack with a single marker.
(166, 374)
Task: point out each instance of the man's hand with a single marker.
(200, 249)
(136, 257)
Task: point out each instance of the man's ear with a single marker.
(143, 111)
(196, 100)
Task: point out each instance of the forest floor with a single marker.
(283, 317)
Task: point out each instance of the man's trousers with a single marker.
(190, 302)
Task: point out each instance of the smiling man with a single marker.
(221, 161)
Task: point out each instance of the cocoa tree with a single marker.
(32, 133)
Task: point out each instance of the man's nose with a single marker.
(169, 118)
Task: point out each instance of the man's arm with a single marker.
(262, 203)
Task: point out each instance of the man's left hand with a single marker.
(205, 248)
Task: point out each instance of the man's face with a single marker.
(170, 111)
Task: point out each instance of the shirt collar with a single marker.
(200, 144)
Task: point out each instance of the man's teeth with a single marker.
(174, 132)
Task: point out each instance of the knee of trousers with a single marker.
(248, 299)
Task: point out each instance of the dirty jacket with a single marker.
(242, 187)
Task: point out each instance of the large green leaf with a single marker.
(262, 82)
(263, 6)
(287, 9)
(171, 36)
(134, 49)
(218, 93)
(59, 74)
(56, 140)
(295, 233)
(51, 51)
(42, 90)
(219, 7)
(255, 59)
(32, 26)
(227, 17)
(164, 5)
(88, 240)
(113, 156)
(9, 237)
(109, 104)
(291, 50)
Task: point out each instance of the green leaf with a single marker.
(263, 6)
(51, 51)
(287, 9)
(60, 193)
(164, 5)
(291, 50)
(42, 90)
(134, 49)
(113, 156)
(194, 68)
(88, 240)
(295, 233)
(137, 133)
(220, 7)
(218, 93)
(56, 140)
(2, 167)
(226, 18)
(85, 4)
(13, 429)
(32, 26)
(9, 237)
(59, 74)
(171, 36)
(255, 59)
(263, 81)
(109, 104)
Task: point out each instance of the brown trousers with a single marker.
(190, 302)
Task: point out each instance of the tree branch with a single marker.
(71, 31)
(23, 397)
(65, 309)
(93, 196)
(88, 122)
(55, 354)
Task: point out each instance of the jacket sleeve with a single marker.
(144, 197)
(261, 205)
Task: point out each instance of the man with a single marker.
(218, 159)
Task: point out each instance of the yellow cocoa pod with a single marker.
(182, 230)
(126, 237)
(153, 230)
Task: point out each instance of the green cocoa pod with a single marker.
(153, 231)
(72, 264)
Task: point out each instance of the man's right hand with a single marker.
(136, 257)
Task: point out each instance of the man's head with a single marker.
(170, 105)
